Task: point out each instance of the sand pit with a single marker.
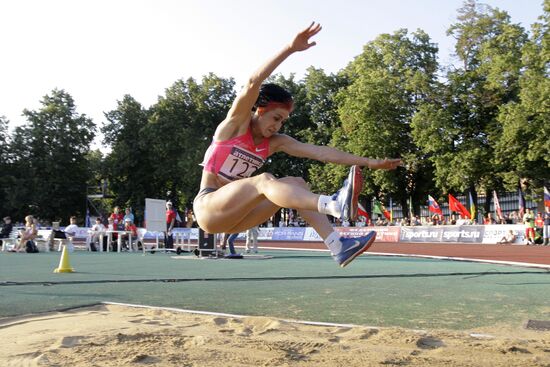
(113, 335)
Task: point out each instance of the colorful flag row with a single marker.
(454, 205)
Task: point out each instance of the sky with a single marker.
(100, 50)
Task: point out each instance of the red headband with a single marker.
(272, 105)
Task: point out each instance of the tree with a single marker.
(158, 150)
(387, 83)
(321, 108)
(458, 128)
(180, 130)
(129, 164)
(50, 159)
(523, 150)
(6, 169)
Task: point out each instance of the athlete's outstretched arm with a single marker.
(240, 110)
(291, 146)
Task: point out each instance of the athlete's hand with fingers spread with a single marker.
(301, 41)
(387, 163)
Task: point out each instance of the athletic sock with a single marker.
(326, 205)
(333, 243)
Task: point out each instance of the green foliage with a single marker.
(458, 129)
(49, 160)
(159, 150)
(387, 82)
(523, 150)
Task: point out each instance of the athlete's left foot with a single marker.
(353, 247)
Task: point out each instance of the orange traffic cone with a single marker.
(64, 265)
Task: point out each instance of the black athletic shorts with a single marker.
(206, 190)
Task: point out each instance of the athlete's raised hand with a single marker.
(387, 163)
(301, 41)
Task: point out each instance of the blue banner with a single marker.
(288, 233)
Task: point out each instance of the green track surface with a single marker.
(373, 290)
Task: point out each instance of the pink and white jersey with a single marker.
(236, 158)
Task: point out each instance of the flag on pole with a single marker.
(88, 222)
(521, 203)
(472, 207)
(391, 210)
(456, 206)
(498, 211)
(380, 209)
(362, 212)
(433, 206)
(546, 197)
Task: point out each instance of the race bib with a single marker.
(240, 163)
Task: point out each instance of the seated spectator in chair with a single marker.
(129, 226)
(111, 226)
(96, 232)
(70, 233)
(7, 227)
(509, 237)
(28, 234)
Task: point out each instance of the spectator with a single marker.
(28, 234)
(96, 232)
(129, 226)
(380, 221)
(539, 221)
(128, 215)
(170, 222)
(114, 235)
(546, 228)
(7, 227)
(488, 219)
(453, 219)
(513, 217)
(70, 233)
(252, 240)
(231, 243)
(426, 221)
(529, 221)
(189, 218)
(509, 237)
(436, 219)
(118, 218)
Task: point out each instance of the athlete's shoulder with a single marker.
(230, 128)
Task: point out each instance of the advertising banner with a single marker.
(463, 234)
(495, 232)
(288, 233)
(265, 234)
(489, 234)
(312, 235)
(387, 234)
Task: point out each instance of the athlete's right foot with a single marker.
(353, 247)
(348, 196)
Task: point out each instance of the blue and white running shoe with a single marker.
(348, 195)
(353, 247)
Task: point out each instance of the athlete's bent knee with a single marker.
(298, 181)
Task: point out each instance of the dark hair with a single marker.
(270, 92)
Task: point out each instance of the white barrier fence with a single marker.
(486, 234)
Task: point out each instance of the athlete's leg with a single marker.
(266, 209)
(242, 204)
(224, 209)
